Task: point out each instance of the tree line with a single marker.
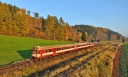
(18, 22)
(97, 33)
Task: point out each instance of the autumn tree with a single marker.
(66, 31)
(109, 35)
(36, 15)
(28, 12)
(49, 26)
(85, 36)
(61, 21)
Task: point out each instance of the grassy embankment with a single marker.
(123, 68)
(18, 48)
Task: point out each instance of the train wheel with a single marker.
(32, 58)
(36, 59)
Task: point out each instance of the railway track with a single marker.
(16, 66)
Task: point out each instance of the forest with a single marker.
(15, 21)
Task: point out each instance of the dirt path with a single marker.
(115, 72)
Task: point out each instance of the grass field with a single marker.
(123, 68)
(18, 48)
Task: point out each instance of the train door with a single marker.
(75, 47)
(42, 52)
(54, 51)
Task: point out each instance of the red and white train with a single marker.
(45, 51)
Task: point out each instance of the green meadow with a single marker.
(19, 48)
(123, 68)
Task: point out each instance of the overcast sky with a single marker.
(112, 14)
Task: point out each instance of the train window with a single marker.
(50, 50)
(62, 48)
(33, 51)
(58, 49)
(47, 51)
(39, 51)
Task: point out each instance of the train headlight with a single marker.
(36, 55)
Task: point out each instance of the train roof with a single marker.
(56, 46)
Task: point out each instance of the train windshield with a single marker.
(35, 51)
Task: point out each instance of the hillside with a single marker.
(18, 48)
(91, 32)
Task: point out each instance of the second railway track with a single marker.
(77, 66)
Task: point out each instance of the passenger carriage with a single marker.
(45, 51)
